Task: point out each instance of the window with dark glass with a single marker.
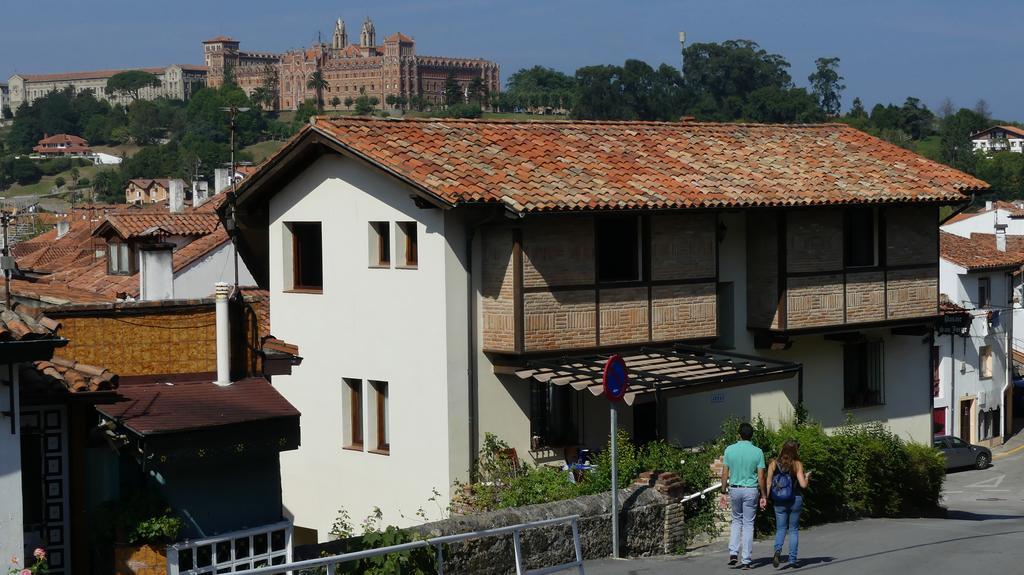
(552, 421)
(410, 255)
(307, 255)
(984, 292)
(618, 249)
(863, 374)
(861, 238)
(353, 410)
(380, 245)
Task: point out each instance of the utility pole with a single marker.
(233, 229)
(7, 262)
(682, 52)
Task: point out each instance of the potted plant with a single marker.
(38, 567)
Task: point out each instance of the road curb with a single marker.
(1004, 454)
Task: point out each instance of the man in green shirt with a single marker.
(742, 482)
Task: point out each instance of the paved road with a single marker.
(984, 533)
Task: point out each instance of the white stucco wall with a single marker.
(198, 278)
(984, 223)
(11, 524)
(370, 324)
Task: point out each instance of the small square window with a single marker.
(380, 245)
(307, 256)
(408, 237)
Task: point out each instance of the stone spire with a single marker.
(340, 39)
(368, 36)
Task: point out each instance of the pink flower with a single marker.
(25, 572)
(39, 553)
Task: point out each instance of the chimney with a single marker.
(1001, 237)
(156, 271)
(176, 196)
(988, 205)
(200, 193)
(62, 228)
(221, 180)
(223, 334)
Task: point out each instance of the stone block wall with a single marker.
(762, 270)
(684, 311)
(558, 251)
(497, 302)
(683, 246)
(912, 293)
(814, 240)
(865, 297)
(911, 235)
(624, 315)
(559, 320)
(814, 301)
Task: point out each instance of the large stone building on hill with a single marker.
(177, 82)
(350, 69)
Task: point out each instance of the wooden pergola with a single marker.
(667, 371)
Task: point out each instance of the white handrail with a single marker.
(438, 543)
(701, 494)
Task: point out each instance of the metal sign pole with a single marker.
(615, 478)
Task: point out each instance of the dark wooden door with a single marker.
(965, 421)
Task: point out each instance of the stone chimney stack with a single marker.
(176, 196)
(200, 193)
(62, 228)
(221, 180)
(156, 271)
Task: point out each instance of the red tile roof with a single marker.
(145, 183)
(1012, 129)
(127, 224)
(25, 323)
(64, 139)
(99, 74)
(71, 375)
(157, 408)
(398, 37)
(49, 293)
(221, 38)
(549, 166)
(979, 252)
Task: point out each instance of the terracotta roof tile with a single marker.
(71, 375)
(979, 252)
(548, 166)
(155, 408)
(25, 323)
(127, 224)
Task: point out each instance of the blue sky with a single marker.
(931, 49)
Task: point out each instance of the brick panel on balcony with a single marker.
(558, 251)
(559, 320)
(683, 247)
(911, 235)
(814, 240)
(684, 312)
(814, 301)
(624, 315)
(497, 302)
(913, 293)
(865, 297)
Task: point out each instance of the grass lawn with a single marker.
(46, 182)
(262, 150)
(928, 147)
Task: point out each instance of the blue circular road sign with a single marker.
(616, 378)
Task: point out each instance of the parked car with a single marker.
(959, 453)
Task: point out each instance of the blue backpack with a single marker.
(782, 486)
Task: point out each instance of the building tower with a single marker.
(340, 39)
(368, 36)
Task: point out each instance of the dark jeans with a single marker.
(787, 518)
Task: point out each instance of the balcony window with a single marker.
(863, 374)
(861, 238)
(618, 249)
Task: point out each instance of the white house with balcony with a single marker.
(999, 139)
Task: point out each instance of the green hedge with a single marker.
(859, 470)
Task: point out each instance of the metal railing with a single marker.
(701, 494)
(438, 544)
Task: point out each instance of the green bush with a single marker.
(463, 111)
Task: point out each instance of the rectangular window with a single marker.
(381, 415)
(307, 255)
(984, 293)
(861, 238)
(936, 364)
(552, 415)
(618, 249)
(726, 318)
(353, 414)
(1009, 289)
(380, 245)
(985, 361)
(410, 255)
(863, 374)
(119, 259)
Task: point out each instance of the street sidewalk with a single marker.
(1013, 445)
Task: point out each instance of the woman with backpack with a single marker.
(787, 480)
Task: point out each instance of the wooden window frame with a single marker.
(410, 256)
(382, 396)
(380, 255)
(354, 397)
(295, 229)
(986, 301)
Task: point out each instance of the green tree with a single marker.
(477, 91)
(783, 106)
(109, 186)
(348, 102)
(955, 132)
(452, 91)
(335, 102)
(24, 171)
(721, 77)
(305, 111)
(75, 176)
(143, 122)
(1004, 171)
(228, 74)
(59, 181)
(270, 84)
(401, 102)
(318, 83)
(365, 105)
(857, 109)
(601, 94)
(130, 83)
(391, 100)
(826, 85)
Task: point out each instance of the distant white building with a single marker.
(178, 82)
(972, 379)
(999, 139)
